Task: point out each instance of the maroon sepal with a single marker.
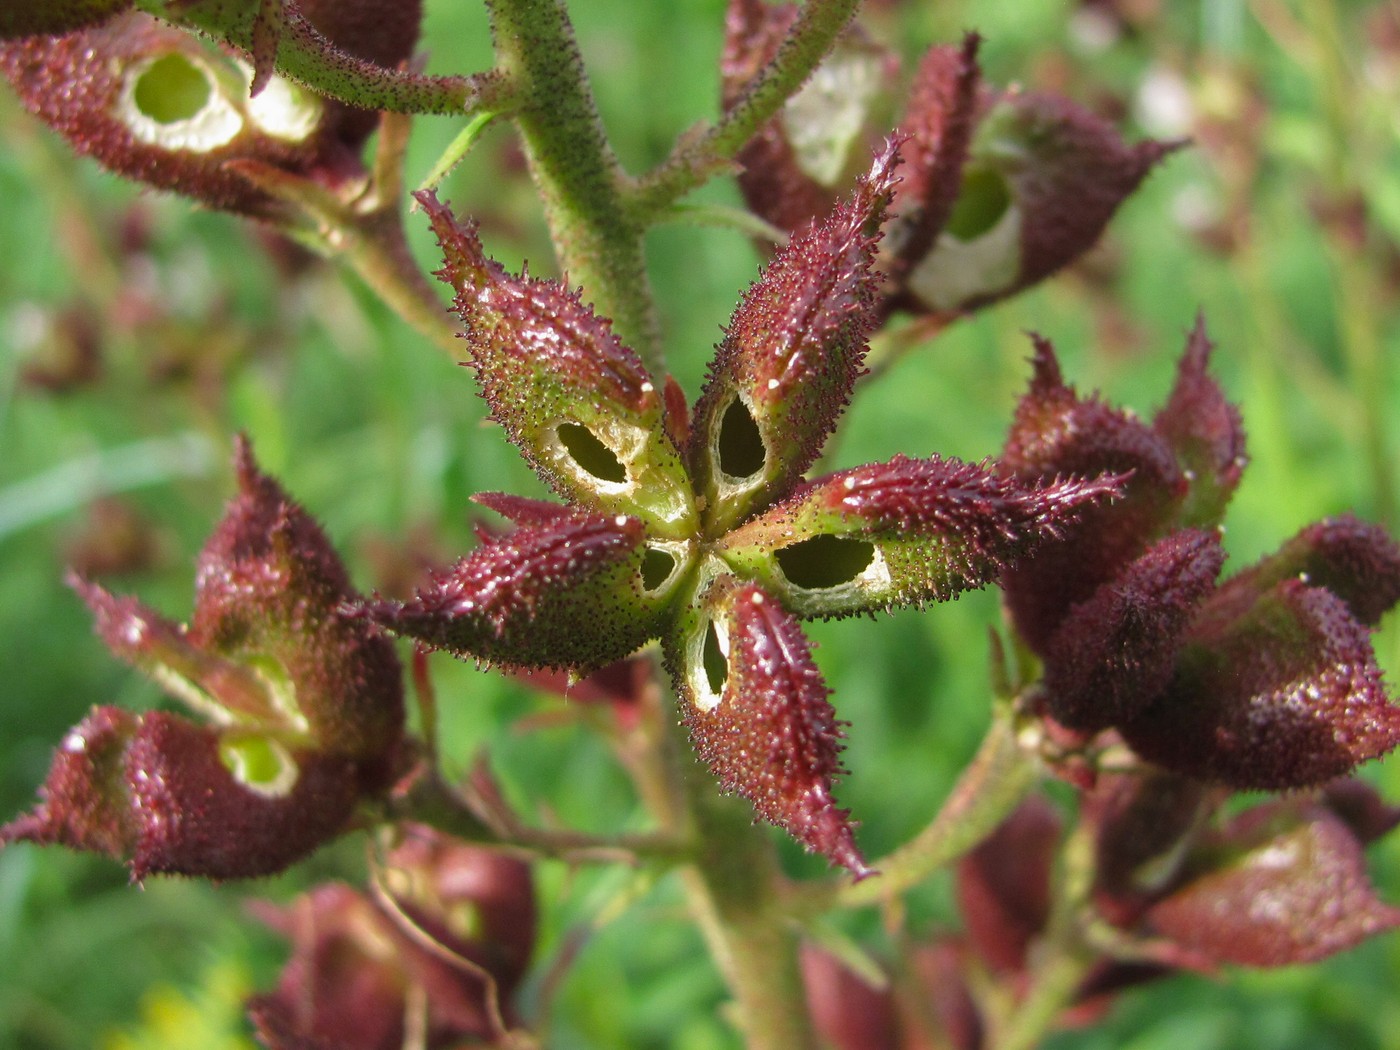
(773, 736)
(563, 593)
(1355, 560)
(790, 357)
(195, 818)
(153, 789)
(1205, 431)
(84, 803)
(1283, 694)
(1056, 433)
(1116, 650)
(87, 84)
(269, 645)
(270, 585)
(1285, 884)
(522, 510)
(576, 401)
(1076, 173)
(942, 114)
(937, 527)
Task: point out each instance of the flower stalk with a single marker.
(598, 240)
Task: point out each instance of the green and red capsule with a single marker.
(301, 704)
(1001, 188)
(155, 104)
(699, 527)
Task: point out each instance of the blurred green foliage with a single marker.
(1281, 224)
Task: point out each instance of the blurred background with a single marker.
(137, 335)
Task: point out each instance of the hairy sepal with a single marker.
(903, 532)
(269, 648)
(942, 115)
(565, 593)
(1051, 175)
(270, 592)
(1206, 433)
(1116, 651)
(121, 92)
(759, 716)
(579, 404)
(1357, 561)
(1286, 883)
(1056, 433)
(789, 359)
(1283, 694)
(160, 793)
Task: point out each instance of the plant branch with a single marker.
(1062, 958)
(698, 157)
(599, 243)
(305, 56)
(990, 787)
(432, 801)
(366, 235)
(734, 893)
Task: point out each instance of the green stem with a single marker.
(1054, 984)
(435, 803)
(731, 881)
(1061, 959)
(990, 787)
(734, 893)
(304, 55)
(598, 240)
(698, 158)
(376, 250)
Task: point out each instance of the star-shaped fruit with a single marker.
(704, 531)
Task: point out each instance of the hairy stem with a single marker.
(698, 158)
(990, 787)
(304, 55)
(598, 241)
(734, 893)
(1061, 959)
